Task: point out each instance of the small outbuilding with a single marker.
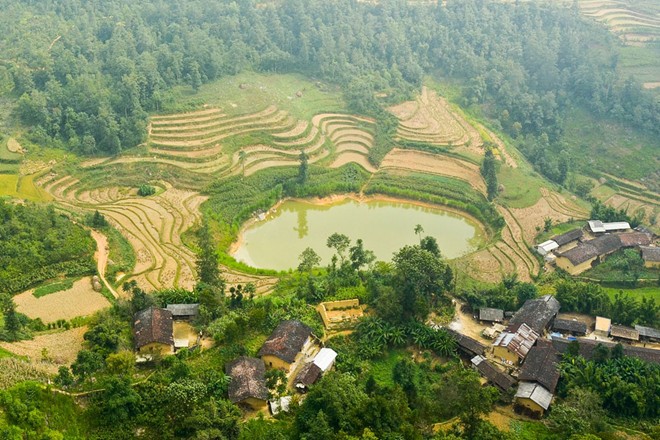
(307, 376)
(568, 237)
(468, 346)
(185, 312)
(325, 359)
(285, 345)
(513, 347)
(487, 314)
(546, 247)
(649, 334)
(537, 313)
(651, 256)
(602, 326)
(624, 334)
(498, 378)
(532, 398)
(570, 326)
(248, 382)
(153, 331)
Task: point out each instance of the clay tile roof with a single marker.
(619, 331)
(570, 326)
(490, 372)
(650, 253)
(183, 309)
(606, 243)
(567, 237)
(541, 366)
(153, 325)
(247, 379)
(536, 313)
(308, 375)
(467, 344)
(488, 314)
(632, 239)
(286, 341)
(581, 253)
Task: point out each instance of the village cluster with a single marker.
(580, 249)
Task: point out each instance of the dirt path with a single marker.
(101, 255)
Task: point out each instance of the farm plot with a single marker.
(79, 300)
(352, 137)
(636, 23)
(60, 348)
(430, 119)
(435, 164)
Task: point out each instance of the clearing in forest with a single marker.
(80, 300)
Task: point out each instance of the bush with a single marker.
(146, 191)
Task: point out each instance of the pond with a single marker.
(384, 226)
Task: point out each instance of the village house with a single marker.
(491, 315)
(602, 327)
(183, 312)
(651, 256)
(537, 313)
(634, 239)
(493, 332)
(285, 345)
(624, 334)
(152, 331)
(648, 334)
(492, 374)
(512, 347)
(561, 242)
(248, 383)
(583, 256)
(538, 379)
(572, 327)
(586, 348)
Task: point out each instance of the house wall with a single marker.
(275, 362)
(566, 264)
(652, 264)
(503, 352)
(156, 347)
(254, 403)
(530, 405)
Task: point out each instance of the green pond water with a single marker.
(384, 227)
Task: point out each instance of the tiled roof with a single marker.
(587, 346)
(467, 344)
(632, 239)
(308, 375)
(519, 342)
(153, 325)
(286, 341)
(648, 332)
(488, 314)
(494, 375)
(587, 250)
(183, 309)
(570, 326)
(536, 313)
(619, 331)
(541, 365)
(567, 237)
(247, 379)
(650, 253)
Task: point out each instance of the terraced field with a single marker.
(429, 119)
(630, 196)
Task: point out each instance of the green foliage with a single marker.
(37, 244)
(207, 261)
(47, 289)
(489, 174)
(146, 190)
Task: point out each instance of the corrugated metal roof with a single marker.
(325, 358)
(616, 226)
(535, 392)
(648, 332)
(596, 226)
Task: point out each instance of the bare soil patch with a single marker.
(62, 347)
(80, 300)
(435, 164)
(532, 217)
(14, 147)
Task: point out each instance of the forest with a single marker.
(87, 74)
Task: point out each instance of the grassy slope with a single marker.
(643, 292)
(262, 90)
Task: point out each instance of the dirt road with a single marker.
(101, 256)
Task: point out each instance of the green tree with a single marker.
(340, 243)
(12, 321)
(303, 169)
(207, 260)
(309, 259)
(490, 174)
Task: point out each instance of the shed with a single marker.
(280, 405)
(648, 333)
(616, 226)
(307, 376)
(546, 247)
(153, 331)
(651, 256)
(567, 237)
(620, 332)
(183, 311)
(248, 383)
(284, 345)
(500, 379)
(603, 326)
(536, 313)
(470, 347)
(571, 326)
(491, 315)
(596, 226)
(325, 359)
(513, 347)
(586, 348)
(533, 398)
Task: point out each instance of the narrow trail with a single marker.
(101, 256)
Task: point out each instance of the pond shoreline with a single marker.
(360, 198)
